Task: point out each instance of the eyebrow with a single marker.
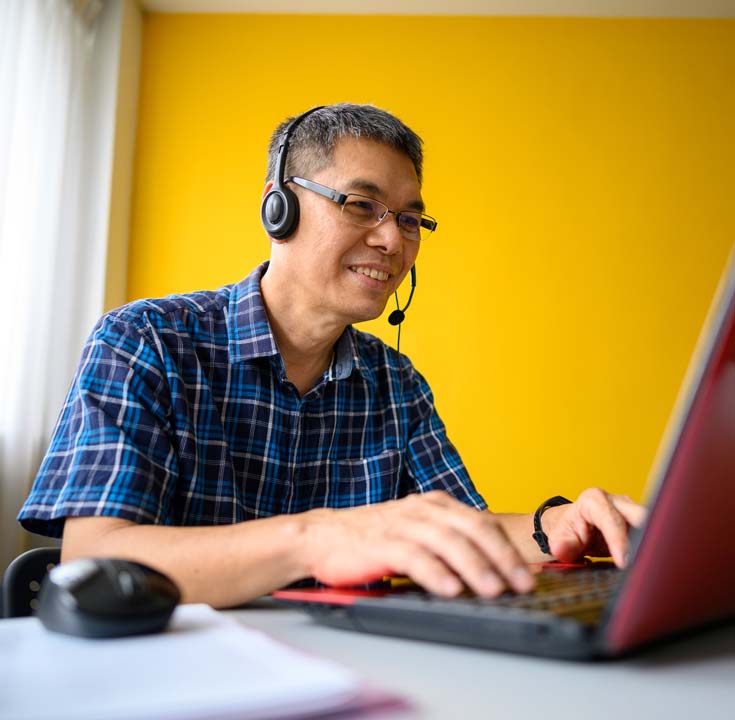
(360, 185)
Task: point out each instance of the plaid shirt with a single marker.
(180, 413)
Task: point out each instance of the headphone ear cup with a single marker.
(279, 213)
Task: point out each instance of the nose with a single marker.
(386, 236)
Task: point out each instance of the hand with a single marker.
(437, 541)
(596, 524)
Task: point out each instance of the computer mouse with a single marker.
(106, 597)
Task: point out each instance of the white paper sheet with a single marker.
(205, 665)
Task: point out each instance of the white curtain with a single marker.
(51, 252)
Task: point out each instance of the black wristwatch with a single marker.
(538, 533)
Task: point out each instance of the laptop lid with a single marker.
(682, 570)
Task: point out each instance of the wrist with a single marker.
(309, 539)
(541, 530)
(281, 549)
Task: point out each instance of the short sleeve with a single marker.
(111, 452)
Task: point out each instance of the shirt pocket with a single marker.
(367, 480)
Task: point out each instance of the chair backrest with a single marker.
(22, 580)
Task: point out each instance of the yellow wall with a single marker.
(581, 171)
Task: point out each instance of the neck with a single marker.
(305, 339)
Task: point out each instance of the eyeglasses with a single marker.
(366, 212)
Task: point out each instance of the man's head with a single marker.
(312, 143)
(353, 174)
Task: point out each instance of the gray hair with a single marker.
(312, 143)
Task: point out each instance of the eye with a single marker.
(410, 222)
(360, 207)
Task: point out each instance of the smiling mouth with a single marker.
(370, 272)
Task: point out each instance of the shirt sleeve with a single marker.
(433, 461)
(110, 453)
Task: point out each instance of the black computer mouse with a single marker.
(106, 597)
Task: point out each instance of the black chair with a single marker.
(22, 580)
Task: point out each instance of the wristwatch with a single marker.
(538, 533)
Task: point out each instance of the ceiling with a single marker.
(577, 8)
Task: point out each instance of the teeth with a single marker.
(370, 272)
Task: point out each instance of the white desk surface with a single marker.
(690, 678)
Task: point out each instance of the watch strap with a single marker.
(539, 535)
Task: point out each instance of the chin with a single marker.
(364, 314)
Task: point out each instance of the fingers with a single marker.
(634, 514)
(471, 545)
(422, 566)
(437, 541)
(596, 513)
(479, 552)
(488, 536)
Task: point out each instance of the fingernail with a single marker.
(522, 579)
(492, 584)
(450, 586)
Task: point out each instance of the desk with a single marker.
(683, 679)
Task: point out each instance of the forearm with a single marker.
(519, 528)
(223, 566)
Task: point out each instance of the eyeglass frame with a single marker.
(341, 198)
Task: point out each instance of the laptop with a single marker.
(681, 572)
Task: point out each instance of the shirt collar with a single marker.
(345, 357)
(249, 332)
(250, 335)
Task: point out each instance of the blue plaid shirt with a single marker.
(180, 413)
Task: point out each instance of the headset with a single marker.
(398, 315)
(279, 211)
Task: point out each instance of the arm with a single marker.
(436, 540)
(223, 566)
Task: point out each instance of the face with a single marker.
(345, 272)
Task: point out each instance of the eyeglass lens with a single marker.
(368, 212)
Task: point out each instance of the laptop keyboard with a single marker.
(580, 594)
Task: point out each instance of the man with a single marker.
(244, 439)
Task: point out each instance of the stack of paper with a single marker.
(206, 665)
